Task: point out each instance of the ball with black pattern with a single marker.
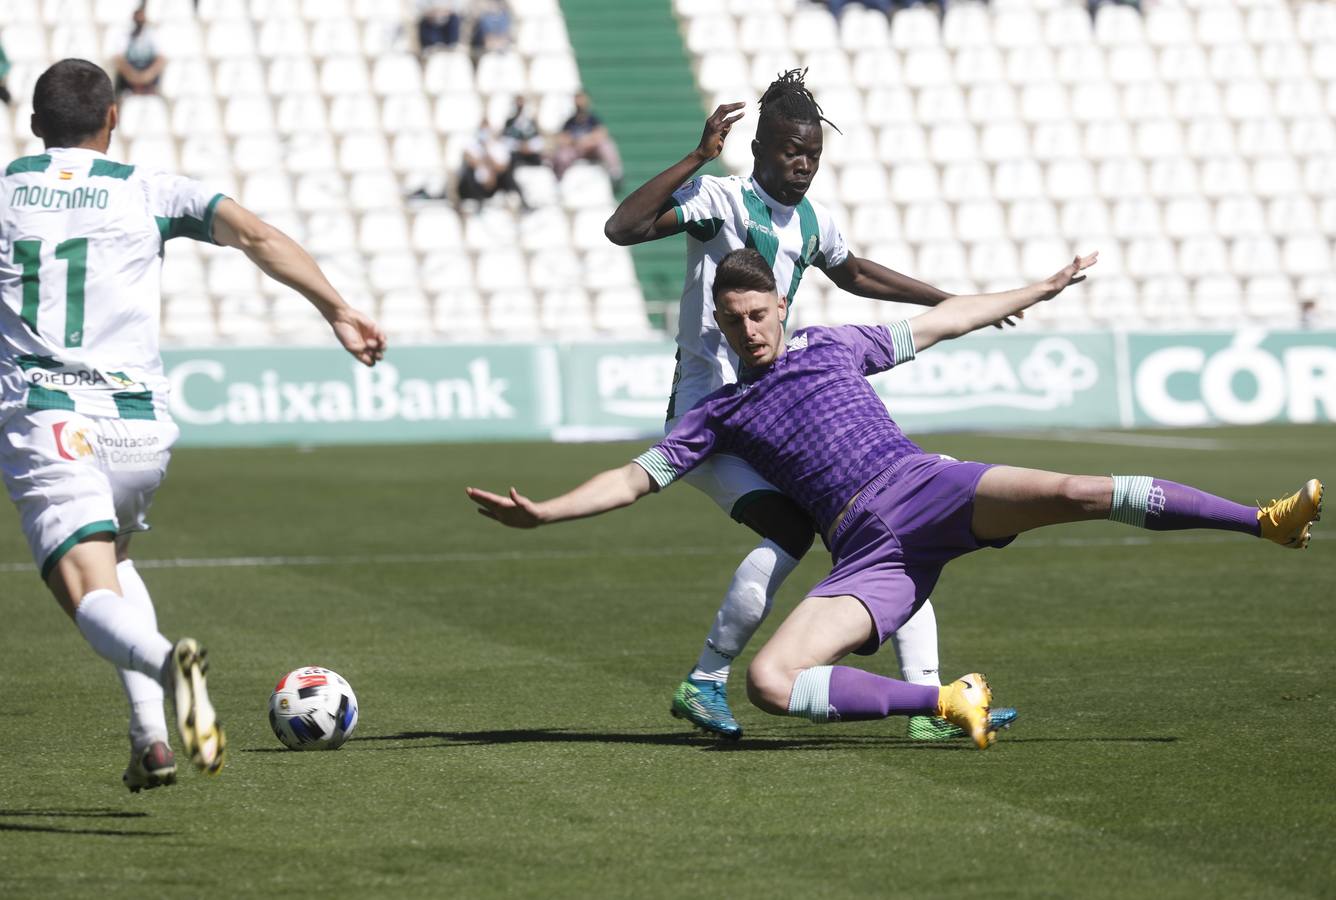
(313, 708)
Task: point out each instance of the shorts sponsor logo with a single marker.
(130, 453)
(75, 442)
(71, 442)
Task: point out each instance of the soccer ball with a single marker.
(313, 709)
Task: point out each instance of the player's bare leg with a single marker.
(1011, 500)
(793, 675)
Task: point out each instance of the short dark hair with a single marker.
(743, 270)
(788, 98)
(70, 102)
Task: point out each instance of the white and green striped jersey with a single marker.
(81, 241)
(726, 214)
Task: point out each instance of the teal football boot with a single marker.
(705, 704)
(932, 728)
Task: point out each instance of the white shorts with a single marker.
(729, 481)
(72, 476)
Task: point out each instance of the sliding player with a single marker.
(85, 433)
(805, 416)
(769, 211)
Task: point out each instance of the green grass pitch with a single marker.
(1177, 709)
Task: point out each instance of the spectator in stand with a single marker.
(4, 74)
(491, 29)
(488, 169)
(438, 24)
(884, 6)
(139, 65)
(1094, 5)
(521, 136)
(584, 136)
(1308, 314)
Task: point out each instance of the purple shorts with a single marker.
(906, 524)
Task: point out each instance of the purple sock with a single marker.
(856, 696)
(1162, 505)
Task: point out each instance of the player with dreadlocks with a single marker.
(768, 210)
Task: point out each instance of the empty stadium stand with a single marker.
(1194, 146)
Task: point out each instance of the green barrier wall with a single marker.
(229, 397)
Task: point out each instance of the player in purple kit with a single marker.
(804, 415)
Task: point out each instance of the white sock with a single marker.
(810, 698)
(916, 647)
(148, 718)
(744, 608)
(120, 633)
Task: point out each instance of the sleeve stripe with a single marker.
(902, 340)
(656, 465)
(208, 217)
(681, 215)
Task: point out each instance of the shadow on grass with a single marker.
(1089, 740)
(411, 740)
(99, 813)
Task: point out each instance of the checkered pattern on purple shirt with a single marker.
(810, 423)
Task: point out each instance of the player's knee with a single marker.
(1089, 493)
(769, 687)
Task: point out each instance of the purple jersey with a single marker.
(809, 423)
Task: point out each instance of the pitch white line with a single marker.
(1115, 438)
(392, 559)
(404, 559)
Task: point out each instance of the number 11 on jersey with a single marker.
(28, 256)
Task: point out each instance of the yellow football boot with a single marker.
(1289, 521)
(964, 702)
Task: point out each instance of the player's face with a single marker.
(753, 325)
(787, 156)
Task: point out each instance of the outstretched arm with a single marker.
(871, 279)
(641, 216)
(608, 490)
(963, 314)
(283, 259)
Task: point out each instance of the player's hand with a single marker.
(515, 510)
(1070, 274)
(1010, 321)
(360, 335)
(716, 130)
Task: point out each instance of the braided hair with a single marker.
(788, 98)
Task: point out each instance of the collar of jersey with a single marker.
(766, 198)
(78, 151)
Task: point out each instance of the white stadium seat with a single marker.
(390, 269)
(566, 312)
(1030, 219)
(963, 181)
(406, 315)
(620, 311)
(458, 314)
(396, 73)
(863, 29)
